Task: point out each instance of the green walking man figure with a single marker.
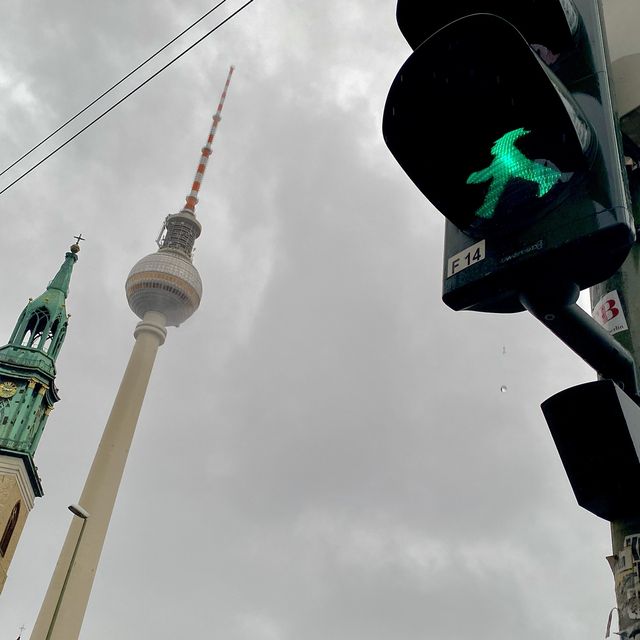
(509, 162)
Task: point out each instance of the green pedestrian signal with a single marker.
(510, 163)
(461, 99)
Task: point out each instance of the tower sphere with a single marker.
(166, 282)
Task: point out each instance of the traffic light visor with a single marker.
(548, 23)
(484, 129)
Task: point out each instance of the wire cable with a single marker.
(112, 107)
(111, 88)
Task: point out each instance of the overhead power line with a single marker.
(111, 88)
(112, 107)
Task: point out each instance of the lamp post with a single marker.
(77, 510)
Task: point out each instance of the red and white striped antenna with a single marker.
(192, 198)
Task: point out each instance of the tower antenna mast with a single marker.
(192, 198)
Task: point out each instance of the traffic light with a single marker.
(503, 118)
(602, 456)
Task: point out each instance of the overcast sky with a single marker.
(324, 452)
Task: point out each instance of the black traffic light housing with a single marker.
(596, 428)
(521, 156)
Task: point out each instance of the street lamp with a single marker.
(77, 510)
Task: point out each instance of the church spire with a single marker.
(27, 396)
(62, 279)
(42, 326)
(27, 365)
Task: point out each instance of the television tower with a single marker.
(163, 289)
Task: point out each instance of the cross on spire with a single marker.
(79, 238)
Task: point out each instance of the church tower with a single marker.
(27, 395)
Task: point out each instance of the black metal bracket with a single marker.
(582, 334)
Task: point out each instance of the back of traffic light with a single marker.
(504, 120)
(608, 438)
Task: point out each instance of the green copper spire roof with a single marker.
(62, 279)
(41, 328)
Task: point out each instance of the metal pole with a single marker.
(616, 304)
(80, 513)
(580, 332)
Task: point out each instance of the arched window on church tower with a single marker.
(51, 336)
(8, 530)
(36, 326)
